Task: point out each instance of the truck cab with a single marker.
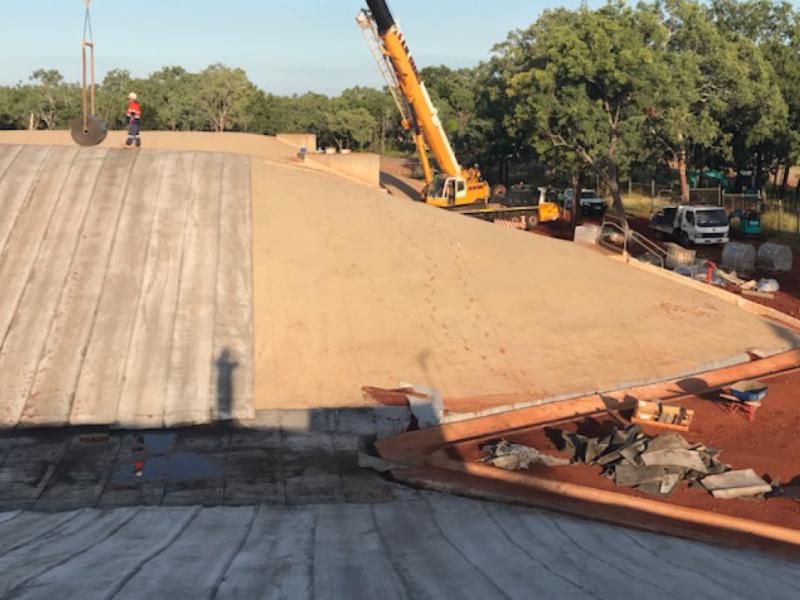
(702, 224)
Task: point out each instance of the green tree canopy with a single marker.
(225, 97)
(582, 83)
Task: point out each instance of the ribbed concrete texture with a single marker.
(431, 547)
(126, 286)
(351, 287)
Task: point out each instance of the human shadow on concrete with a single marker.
(224, 366)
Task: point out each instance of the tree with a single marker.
(582, 82)
(351, 128)
(381, 107)
(12, 116)
(51, 100)
(685, 114)
(775, 28)
(170, 94)
(225, 97)
(112, 95)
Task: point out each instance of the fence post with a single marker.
(630, 186)
(797, 213)
(652, 188)
(719, 195)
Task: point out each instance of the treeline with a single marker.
(678, 84)
(218, 98)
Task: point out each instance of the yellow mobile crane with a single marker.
(456, 188)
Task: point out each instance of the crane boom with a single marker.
(413, 88)
(458, 186)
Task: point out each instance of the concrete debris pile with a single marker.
(514, 457)
(652, 464)
(657, 465)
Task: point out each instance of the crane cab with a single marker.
(446, 192)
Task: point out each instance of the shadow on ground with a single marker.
(286, 458)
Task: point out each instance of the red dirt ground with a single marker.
(786, 301)
(770, 445)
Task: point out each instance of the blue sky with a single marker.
(285, 46)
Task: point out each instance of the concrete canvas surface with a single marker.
(129, 276)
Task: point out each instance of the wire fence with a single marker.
(779, 214)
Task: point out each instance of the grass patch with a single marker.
(641, 206)
(782, 225)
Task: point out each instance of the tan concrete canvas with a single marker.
(350, 287)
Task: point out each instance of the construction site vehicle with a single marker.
(708, 178)
(454, 187)
(521, 208)
(749, 222)
(688, 224)
(590, 202)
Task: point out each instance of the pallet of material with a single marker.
(656, 414)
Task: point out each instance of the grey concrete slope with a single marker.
(431, 547)
(124, 299)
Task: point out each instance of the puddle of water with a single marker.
(180, 466)
(158, 443)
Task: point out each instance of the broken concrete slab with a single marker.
(736, 484)
(686, 459)
(667, 441)
(631, 476)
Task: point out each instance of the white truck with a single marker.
(590, 202)
(687, 224)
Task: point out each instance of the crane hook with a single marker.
(88, 130)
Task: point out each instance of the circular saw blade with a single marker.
(93, 134)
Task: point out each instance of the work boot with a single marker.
(138, 142)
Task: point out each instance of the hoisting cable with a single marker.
(89, 130)
(87, 41)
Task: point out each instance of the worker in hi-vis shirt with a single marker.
(134, 118)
